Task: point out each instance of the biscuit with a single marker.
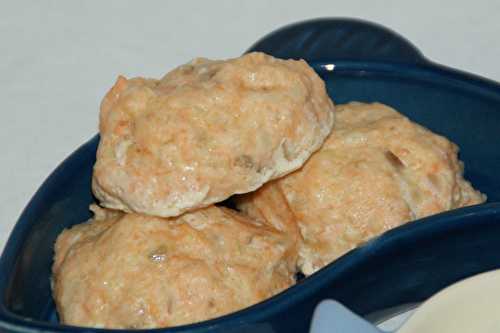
(376, 171)
(207, 130)
(124, 270)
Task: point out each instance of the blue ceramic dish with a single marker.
(405, 265)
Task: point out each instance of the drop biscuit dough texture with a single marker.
(376, 171)
(133, 271)
(207, 130)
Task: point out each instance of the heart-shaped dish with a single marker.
(358, 61)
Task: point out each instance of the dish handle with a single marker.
(330, 39)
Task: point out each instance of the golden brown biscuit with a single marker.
(136, 271)
(377, 170)
(207, 130)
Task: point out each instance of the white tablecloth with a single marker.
(58, 58)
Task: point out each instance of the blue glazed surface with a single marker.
(405, 265)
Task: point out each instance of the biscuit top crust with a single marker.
(376, 171)
(207, 130)
(136, 271)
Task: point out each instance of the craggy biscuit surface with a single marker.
(136, 271)
(207, 130)
(377, 170)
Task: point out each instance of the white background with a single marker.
(57, 59)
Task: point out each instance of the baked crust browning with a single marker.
(207, 130)
(135, 271)
(376, 171)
